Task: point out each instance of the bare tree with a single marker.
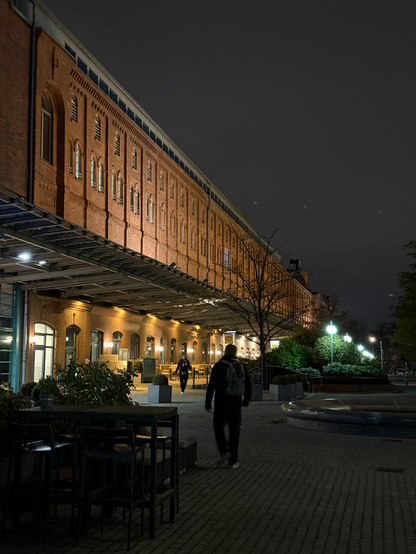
(267, 299)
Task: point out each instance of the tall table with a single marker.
(150, 416)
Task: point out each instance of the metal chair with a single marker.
(37, 441)
(112, 450)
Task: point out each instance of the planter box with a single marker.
(280, 392)
(299, 390)
(257, 393)
(159, 394)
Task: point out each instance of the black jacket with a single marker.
(218, 384)
(183, 365)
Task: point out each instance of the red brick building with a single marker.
(82, 161)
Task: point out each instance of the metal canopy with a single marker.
(42, 251)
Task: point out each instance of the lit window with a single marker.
(74, 109)
(227, 258)
(117, 145)
(162, 185)
(182, 199)
(172, 191)
(97, 128)
(93, 174)
(100, 178)
(134, 161)
(120, 190)
(78, 168)
(149, 171)
(70, 159)
(113, 186)
(147, 208)
(46, 142)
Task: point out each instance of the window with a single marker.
(194, 345)
(134, 160)
(71, 343)
(173, 225)
(71, 158)
(96, 344)
(162, 186)
(162, 350)
(162, 218)
(147, 208)
(212, 223)
(131, 199)
(226, 235)
(183, 237)
(227, 258)
(117, 145)
(149, 346)
(78, 167)
(149, 171)
(182, 199)
(120, 190)
(204, 352)
(97, 128)
(100, 178)
(203, 217)
(152, 217)
(74, 109)
(46, 139)
(113, 186)
(211, 251)
(134, 345)
(44, 351)
(136, 202)
(172, 351)
(212, 353)
(184, 348)
(93, 174)
(172, 191)
(192, 208)
(116, 342)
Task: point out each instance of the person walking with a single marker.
(232, 387)
(183, 367)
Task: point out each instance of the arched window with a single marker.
(96, 344)
(184, 348)
(152, 215)
(172, 191)
(46, 133)
(212, 353)
(134, 159)
(120, 190)
(150, 342)
(116, 342)
(100, 178)
(162, 184)
(71, 158)
(173, 225)
(131, 199)
(97, 128)
(71, 343)
(162, 217)
(134, 346)
(147, 208)
(136, 202)
(194, 345)
(183, 232)
(220, 351)
(173, 351)
(43, 351)
(117, 145)
(74, 109)
(113, 186)
(149, 171)
(78, 165)
(162, 350)
(93, 173)
(204, 353)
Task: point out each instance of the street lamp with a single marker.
(372, 340)
(347, 338)
(331, 329)
(360, 347)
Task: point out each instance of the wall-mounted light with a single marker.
(159, 348)
(8, 339)
(24, 256)
(190, 350)
(34, 339)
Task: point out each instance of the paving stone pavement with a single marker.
(296, 492)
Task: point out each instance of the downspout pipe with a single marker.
(31, 113)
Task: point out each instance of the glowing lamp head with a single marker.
(331, 329)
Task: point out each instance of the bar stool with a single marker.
(38, 441)
(115, 450)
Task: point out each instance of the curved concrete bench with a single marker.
(388, 419)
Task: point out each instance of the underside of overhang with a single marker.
(44, 252)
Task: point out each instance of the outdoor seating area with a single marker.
(110, 465)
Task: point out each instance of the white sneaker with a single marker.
(234, 466)
(182, 392)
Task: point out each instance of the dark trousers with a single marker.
(227, 414)
(183, 380)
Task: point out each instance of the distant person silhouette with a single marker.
(183, 367)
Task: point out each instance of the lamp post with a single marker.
(331, 329)
(372, 340)
(381, 354)
(347, 338)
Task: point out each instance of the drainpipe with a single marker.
(31, 113)
(207, 224)
(23, 375)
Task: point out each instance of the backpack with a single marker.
(235, 385)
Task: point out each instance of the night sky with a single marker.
(301, 112)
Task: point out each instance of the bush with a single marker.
(27, 388)
(281, 380)
(289, 354)
(46, 385)
(10, 402)
(138, 366)
(337, 369)
(93, 383)
(310, 371)
(160, 380)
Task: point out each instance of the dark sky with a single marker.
(301, 112)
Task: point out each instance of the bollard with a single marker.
(193, 378)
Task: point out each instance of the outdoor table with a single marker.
(150, 416)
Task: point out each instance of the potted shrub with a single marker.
(45, 392)
(27, 389)
(280, 389)
(159, 391)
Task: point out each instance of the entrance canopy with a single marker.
(42, 251)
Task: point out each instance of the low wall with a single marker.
(353, 389)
